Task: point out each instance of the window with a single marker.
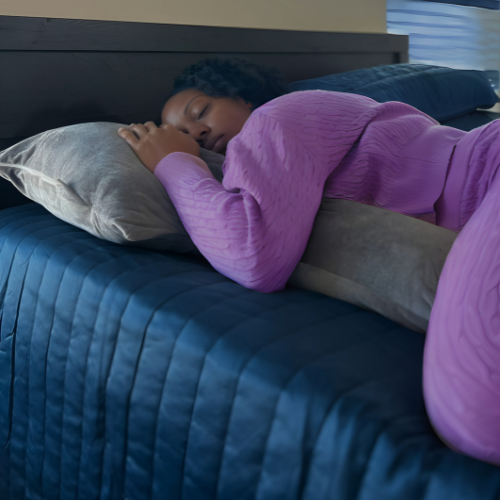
(455, 36)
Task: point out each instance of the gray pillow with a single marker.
(88, 176)
(376, 259)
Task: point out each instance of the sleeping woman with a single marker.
(282, 156)
(285, 151)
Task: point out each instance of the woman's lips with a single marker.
(218, 145)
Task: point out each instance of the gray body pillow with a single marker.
(380, 260)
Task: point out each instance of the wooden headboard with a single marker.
(56, 72)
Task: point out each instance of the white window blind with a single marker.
(455, 36)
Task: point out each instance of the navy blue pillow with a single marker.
(442, 93)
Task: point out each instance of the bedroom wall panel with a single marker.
(57, 72)
(132, 65)
(315, 15)
(116, 75)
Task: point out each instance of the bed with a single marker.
(128, 373)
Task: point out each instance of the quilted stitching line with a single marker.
(292, 333)
(6, 272)
(250, 359)
(369, 460)
(153, 314)
(335, 401)
(16, 220)
(31, 334)
(13, 333)
(97, 316)
(84, 280)
(370, 457)
(50, 329)
(119, 329)
(13, 259)
(13, 365)
(84, 236)
(116, 277)
(232, 297)
(106, 315)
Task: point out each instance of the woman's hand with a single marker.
(151, 144)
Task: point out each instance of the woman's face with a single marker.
(211, 121)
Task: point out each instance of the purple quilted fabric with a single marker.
(292, 151)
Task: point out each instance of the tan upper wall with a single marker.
(315, 15)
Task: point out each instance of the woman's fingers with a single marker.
(167, 126)
(151, 144)
(139, 129)
(136, 132)
(150, 126)
(128, 136)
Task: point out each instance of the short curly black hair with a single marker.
(235, 78)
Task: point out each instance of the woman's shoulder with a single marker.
(313, 101)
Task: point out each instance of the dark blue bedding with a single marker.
(472, 120)
(442, 93)
(130, 374)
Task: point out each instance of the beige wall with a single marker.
(315, 15)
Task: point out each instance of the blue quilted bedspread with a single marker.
(130, 374)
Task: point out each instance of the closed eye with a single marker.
(200, 116)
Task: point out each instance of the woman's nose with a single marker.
(198, 131)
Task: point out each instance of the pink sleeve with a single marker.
(254, 227)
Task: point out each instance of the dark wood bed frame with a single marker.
(56, 72)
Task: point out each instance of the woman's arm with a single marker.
(254, 226)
